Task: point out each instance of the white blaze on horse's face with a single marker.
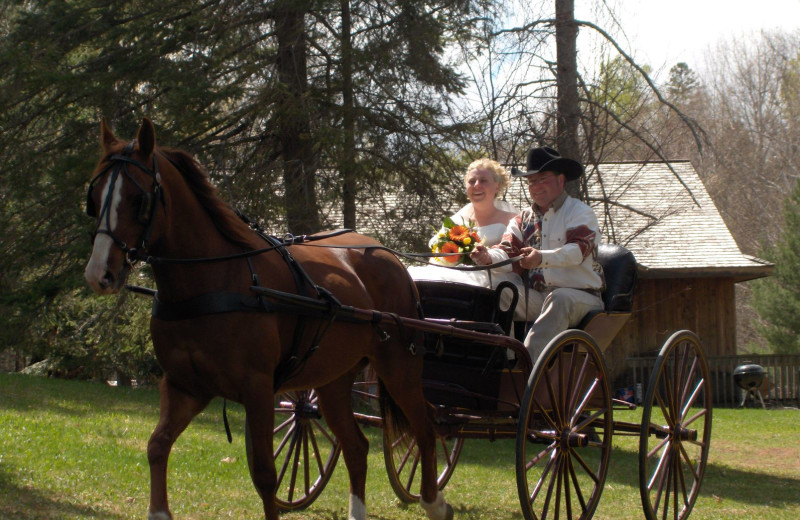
(97, 272)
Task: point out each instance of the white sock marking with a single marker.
(437, 510)
(358, 511)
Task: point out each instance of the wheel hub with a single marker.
(573, 439)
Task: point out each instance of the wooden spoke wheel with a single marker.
(676, 429)
(364, 396)
(564, 431)
(304, 448)
(404, 467)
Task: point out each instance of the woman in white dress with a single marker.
(484, 180)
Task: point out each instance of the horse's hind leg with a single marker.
(336, 406)
(403, 382)
(177, 411)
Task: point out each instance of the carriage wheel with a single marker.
(402, 458)
(676, 429)
(304, 448)
(401, 454)
(564, 431)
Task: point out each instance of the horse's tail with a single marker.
(394, 420)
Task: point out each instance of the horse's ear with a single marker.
(146, 137)
(107, 137)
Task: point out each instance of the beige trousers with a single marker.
(554, 311)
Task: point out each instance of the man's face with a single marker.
(545, 187)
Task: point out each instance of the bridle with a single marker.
(118, 165)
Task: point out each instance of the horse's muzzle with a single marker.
(102, 278)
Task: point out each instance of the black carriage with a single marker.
(482, 384)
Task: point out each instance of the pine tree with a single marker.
(777, 299)
(223, 80)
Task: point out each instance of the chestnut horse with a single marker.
(152, 202)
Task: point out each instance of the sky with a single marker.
(664, 32)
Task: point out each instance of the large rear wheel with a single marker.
(676, 429)
(304, 448)
(564, 431)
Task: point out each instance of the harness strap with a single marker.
(225, 420)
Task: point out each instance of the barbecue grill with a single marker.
(749, 378)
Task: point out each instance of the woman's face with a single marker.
(481, 186)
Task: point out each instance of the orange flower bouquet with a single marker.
(455, 238)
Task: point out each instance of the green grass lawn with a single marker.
(76, 450)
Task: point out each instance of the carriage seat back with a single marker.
(619, 269)
(458, 301)
(620, 272)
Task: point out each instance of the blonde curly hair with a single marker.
(501, 176)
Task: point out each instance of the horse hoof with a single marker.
(438, 509)
(161, 515)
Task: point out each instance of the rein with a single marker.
(298, 241)
(289, 239)
(418, 257)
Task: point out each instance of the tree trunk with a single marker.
(294, 128)
(568, 103)
(348, 167)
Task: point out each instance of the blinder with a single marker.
(143, 214)
(146, 208)
(91, 209)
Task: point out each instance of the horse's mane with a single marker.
(223, 216)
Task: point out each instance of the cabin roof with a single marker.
(664, 215)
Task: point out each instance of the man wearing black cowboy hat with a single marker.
(557, 239)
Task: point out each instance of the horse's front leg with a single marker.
(260, 422)
(177, 411)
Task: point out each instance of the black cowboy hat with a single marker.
(546, 159)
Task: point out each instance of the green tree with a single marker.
(777, 298)
(683, 82)
(66, 64)
(275, 97)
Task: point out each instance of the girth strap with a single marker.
(210, 303)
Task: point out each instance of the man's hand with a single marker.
(532, 258)
(480, 255)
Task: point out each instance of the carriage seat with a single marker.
(620, 272)
(466, 373)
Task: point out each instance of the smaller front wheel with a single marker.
(402, 458)
(564, 431)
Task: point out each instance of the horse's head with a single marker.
(123, 197)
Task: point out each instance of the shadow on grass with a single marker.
(461, 513)
(73, 398)
(25, 393)
(719, 481)
(25, 503)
